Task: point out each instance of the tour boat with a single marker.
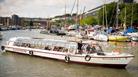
(68, 51)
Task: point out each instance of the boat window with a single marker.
(56, 48)
(60, 49)
(23, 45)
(87, 48)
(32, 46)
(71, 50)
(98, 48)
(17, 44)
(47, 47)
(65, 50)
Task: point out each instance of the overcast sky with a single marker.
(44, 8)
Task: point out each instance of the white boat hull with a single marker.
(98, 36)
(120, 61)
(134, 38)
(101, 37)
(134, 34)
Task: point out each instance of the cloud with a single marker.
(44, 8)
(2, 1)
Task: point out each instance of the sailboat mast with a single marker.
(124, 25)
(125, 13)
(73, 7)
(77, 12)
(132, 15)
(117, 9)
(65, 13)
(83, 12)
(77, 6)
(105, 15)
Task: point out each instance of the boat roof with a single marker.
(43, 41)
(51, 42)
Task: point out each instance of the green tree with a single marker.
(110, 11)
(70, 21)
(126, 15)
(90, 20)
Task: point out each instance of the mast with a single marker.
(77, 12)
(117, 9)
(105, 15)
(73, 7)
(124, 25)
(132, 16)
(83, 12)
(65, 13)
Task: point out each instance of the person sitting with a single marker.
(93, 49)
(88, 48)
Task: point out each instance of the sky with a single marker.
(45, 8)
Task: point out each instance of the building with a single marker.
(36, 22)
(15, 20)
(5, 21)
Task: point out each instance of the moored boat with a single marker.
(101, 37)
(98, 36)
(68, 51)
(118, 38)
(134, 38)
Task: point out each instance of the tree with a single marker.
(126, 15)
(90, 20)
(111, 14)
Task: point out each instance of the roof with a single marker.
(51, 42)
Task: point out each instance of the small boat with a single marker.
(68, 51)
(135, 34)
(134, 38)
(118, 38)
(99, 36)
(132, 33)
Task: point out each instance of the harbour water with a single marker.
(18, 65)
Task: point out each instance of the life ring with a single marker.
(87, 57)
(30, 52)
(2, 48)
(67, 58)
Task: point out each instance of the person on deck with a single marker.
(79, 46)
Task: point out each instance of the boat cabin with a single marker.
(55, 45)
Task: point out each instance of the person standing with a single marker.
(79, 46)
